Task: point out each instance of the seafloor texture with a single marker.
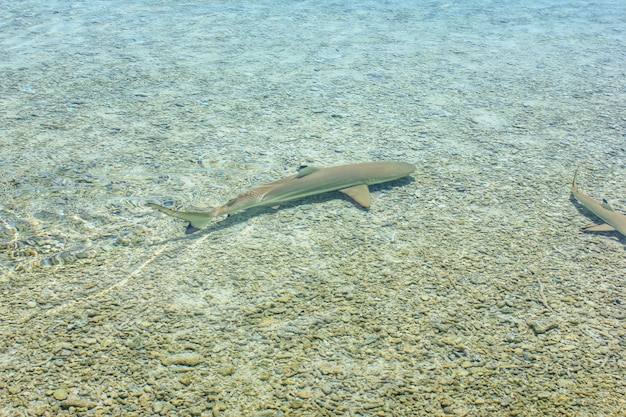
(469, 290)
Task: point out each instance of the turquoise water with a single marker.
(469, 290)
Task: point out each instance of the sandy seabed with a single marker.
(467, 290)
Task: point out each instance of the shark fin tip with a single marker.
(190, 229)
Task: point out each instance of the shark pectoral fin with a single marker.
(599, 228)
(360, 194)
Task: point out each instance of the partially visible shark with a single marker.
(351, 180)
(613, 221)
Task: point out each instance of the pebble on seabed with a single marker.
(185, 358)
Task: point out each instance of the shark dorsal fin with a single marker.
(304, 170)
(359, 193)
(606, 205)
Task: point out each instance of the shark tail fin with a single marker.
(190, 229)
(574, 187)
(197, 220)
(599, 228)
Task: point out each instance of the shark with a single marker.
(352, 180)
(613, 221)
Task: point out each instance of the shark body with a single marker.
(351, 180)
(613, 221)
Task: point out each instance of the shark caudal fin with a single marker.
(197, 220)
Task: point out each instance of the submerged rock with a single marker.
(186, 358)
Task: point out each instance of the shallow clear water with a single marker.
(469, 290)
